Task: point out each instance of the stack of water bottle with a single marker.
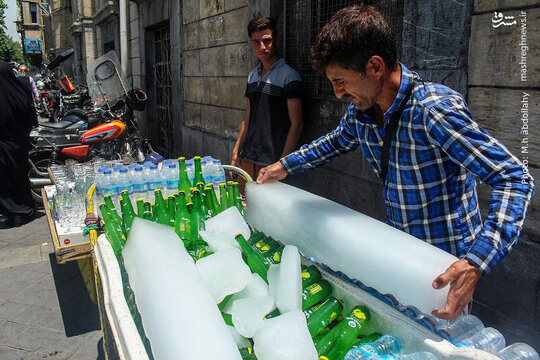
(140, 180)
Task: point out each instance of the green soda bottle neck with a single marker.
(140, 208)
(198, 170)
(255, 261)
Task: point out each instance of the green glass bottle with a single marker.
(266, 245)
(183, 183)
(315, 293)
(161, 209)
(112, 230)
(247, 353)
(197, 216)
(148, 211)
(182, 220)
(198, 177)
(112, 210)
(223, 200)
(273, 314)
(255, 261)
(128, 214)
(211, 194)
(209, 208)
(199, 251)
(273, 257)
(140, 208)
(230, 193)
(321, 315)
(227, 318)
(171, 206)
(237, 198)
(310, 275)
(342, 336)
(255, 236)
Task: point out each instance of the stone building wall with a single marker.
(504, 83)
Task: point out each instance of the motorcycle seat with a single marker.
(56, 125)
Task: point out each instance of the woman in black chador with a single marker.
(17, 117)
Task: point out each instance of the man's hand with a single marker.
(276, 171)
(235, 160)
(462, 277)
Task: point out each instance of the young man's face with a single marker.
(361, 89)
(264, 44)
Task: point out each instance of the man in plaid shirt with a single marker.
(435, 155)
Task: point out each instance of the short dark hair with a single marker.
(261, 23)
(352, 36)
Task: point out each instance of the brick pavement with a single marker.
(45, 310)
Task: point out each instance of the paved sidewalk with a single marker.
(45, 310)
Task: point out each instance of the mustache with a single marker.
(348, 96)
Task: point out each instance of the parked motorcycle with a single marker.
(108, 131)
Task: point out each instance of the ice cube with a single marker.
(273, 280)
(218, 241)
(241, 341)
(255, 288)
(229, 223)
(224, 273)
(289, 290)
(285, 337)
(248, 314)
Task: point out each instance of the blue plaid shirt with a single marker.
(430, 189)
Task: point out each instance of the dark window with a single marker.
(33, 13)
(304, 20)
(163, 83)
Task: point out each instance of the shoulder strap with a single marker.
(391, 129)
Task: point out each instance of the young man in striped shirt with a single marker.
(434, 156)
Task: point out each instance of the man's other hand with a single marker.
(276, 171)
(462, 277)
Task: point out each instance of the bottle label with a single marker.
(315, 288)
(368, 349)
(305, 275)
(359, 314)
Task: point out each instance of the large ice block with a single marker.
(179, 315)
(224, 273)
(369, 250)
(289, 289)
(285, 337)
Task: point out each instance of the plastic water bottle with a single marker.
(124, 181)
(171, 180)
(140, 187)
(206, 170)
(424, 355)
(463, 327)
(153, 180)
(108, 183)
(99, 181)
(487, 339)
(219, 173)
(386, 344)
(518, 351)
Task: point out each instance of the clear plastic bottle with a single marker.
(414, 356)
(171, 180)
(487, 339)
(518, 351)
(153, 180)
(219, 173)
(206, 170)
(108, 183)
(140, 186)
(386, 344)
(462, 328)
